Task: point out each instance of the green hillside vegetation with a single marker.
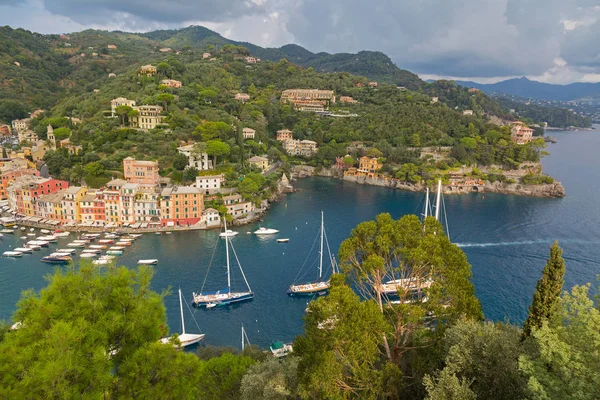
(555, 117)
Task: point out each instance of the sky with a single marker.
(554, 41)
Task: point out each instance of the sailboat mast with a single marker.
(427, 202)
(227, 254)
(242, 337)
(181, 311)
(437, 200)
(321, 253)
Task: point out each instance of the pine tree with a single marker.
(547, 292)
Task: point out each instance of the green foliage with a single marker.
(485, 354)
(565, 364)
(339, 351)
(251, 185)
(547, 292)
(217, 148)
(220, 377)
(94, 169)
(180, 162)
(272, 379)
(62, 133)
(190, 174)
(447, 386)
(556, 117)
(11, 109)
(531, 179)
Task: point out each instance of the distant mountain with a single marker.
(526, 88)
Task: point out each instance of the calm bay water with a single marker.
(506, 239)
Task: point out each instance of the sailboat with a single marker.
(320, 286)
(413, 287)
(226, 296)
(186, 339)
(245, 339)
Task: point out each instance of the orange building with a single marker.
(142, 172)
(181, 205)
(521, 133)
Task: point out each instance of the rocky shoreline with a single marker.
(553, 190)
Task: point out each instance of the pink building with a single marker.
(521, 133)
(142, 172)
(285, 134)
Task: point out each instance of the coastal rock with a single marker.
(305, 171)
(552, 190)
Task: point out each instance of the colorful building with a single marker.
(248, 133)
(259, 162)
(210, 183)
(146, 205)
(198, 160)
(521, 133)
(181, 206)
(285, 134)
(127, 197)
(70, 203)
(142, 172)
(112, 200)
(92, 207)
(8, 177)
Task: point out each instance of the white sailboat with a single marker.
(320, 286)
(245, 340)
(225, 296)
(186, 339)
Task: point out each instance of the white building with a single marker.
(211, 217)
(210, 183)
(248, 133)
(120, 101)
(200, 161)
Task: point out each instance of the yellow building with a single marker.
(148, 117)
(70, 203)
(148, 70)
(260, 162)
(369, 165)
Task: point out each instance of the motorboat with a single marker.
(265, 231)
(57, 259)
(151, 261)
(45, 231)
(114, 252)
(84, 241)
(31, 234)
(101, 261)
(76, 244)
(91, 251)
(135, 235)
(68, 251)
(186, 339)
(23, 228)
(97, 247)
(62, 234)
(280, 349)
(110, 236)
(106, 241)
(228, 233)
(88, 255)
(12, 254)
(7, 231)
(282, 240)
(168, 233)
(107, 257)
(34, 246)
(90, 236)
(157, 233)
(123, 243)
(49, 238)
(24, 250)
(42, 243)
(117, 248)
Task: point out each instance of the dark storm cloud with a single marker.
(172, 11)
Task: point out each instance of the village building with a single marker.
(243, 97)
(373, 84)
(521, 133)
(7, 177)
(21, 125)
(142, 172)
(206, 55)
(198, 160)
(149, 117)
(146, 205)
(27, 136)
(347, 99)
(260, 162)
(285, 134)
(148, 70)
(181, 206)
(37, 113)
(434, 100)
(236, 206)
(112, 75)
(165, 50)
(24, 192)
(49, 206)
(71, 148)
(251, 60)
(70, 203)
(111, 47)
(91, 207)
(248, 133)
(5, 130)
(305, 148)
(211, 218)
(120, 101)
(127, 196)
(468, 112)
(172, 83)
(312, 100)
(112, 200)
(210, 184)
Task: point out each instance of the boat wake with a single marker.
(523, 242)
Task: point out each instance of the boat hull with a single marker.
(210, 301)
(309, 289)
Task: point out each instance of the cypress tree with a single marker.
(547, 292)
(4, 154)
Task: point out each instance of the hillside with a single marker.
(526, 88)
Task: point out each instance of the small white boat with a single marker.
(84, 241)
(12, 254)
(24, 250)
(108, 257)
(123, 243)
(151, 261)
(97, 247)
(31, 234)
(282, 240)
(42, 243)
(91, 251)
(136, 235)
(186, 339)
(157, 233)
(88, 255)
(228, 233)
(49, 238)
(101, 261)
(168, 233)
(44, 231)
(31, 229)
(106, 241)
(78, 245)
(34, 246)
(59, 254)
(114, 252)
(117, 248)
(265, 231)
(68, 251)
(110, 236)
(7, 231)
(62, 234)
(23, 228)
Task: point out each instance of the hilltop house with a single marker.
(200, 161)
(520, 133)
(248, 133)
